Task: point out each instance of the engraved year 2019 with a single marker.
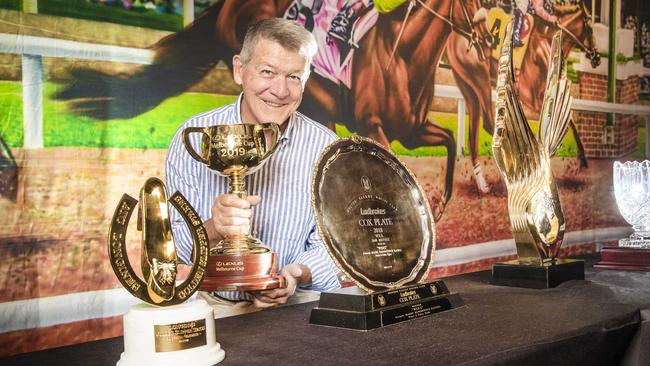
(238, 151)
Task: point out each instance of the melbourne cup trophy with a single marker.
(165, 330)
(239, 262)
(632, 191)
(378, 229)
(524, 162)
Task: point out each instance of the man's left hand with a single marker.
(295, 274)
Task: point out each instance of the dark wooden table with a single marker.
(601, 321)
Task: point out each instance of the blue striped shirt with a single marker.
(284, 219)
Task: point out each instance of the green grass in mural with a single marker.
(153, 129)
(10, 4)
(11, 113)
(639, 153)
(448, 121)
(84, 9)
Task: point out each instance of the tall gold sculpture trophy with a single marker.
(525, 165)
(240, 262)
(164, 330)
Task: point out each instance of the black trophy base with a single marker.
(353, 308)
(511, 273)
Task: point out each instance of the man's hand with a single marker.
(230, 215)
(295, 274)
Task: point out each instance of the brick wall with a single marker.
(591, 126)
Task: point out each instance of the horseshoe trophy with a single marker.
(240, 262)
(524, 162)
(164, 330)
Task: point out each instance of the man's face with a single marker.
(273, 81)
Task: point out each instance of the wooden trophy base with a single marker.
(242, 272)
(624, 258)
(512, 273)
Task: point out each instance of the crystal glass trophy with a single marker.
(632, 190)
(524, 161)
(169, 328)
(240, 262)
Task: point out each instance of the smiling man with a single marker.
(272, 69)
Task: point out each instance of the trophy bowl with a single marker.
(632, 191)
(239, 262)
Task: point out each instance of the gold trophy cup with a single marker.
(239, 262)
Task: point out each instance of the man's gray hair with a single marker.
(286, 33)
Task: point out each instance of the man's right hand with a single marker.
(231, 215)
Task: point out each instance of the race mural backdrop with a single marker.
(92, 91)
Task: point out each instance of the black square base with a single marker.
(511, 273)
(352, 308)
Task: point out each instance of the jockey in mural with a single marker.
(541, 8)
(343, 23)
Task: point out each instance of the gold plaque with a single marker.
(372, 215)
(179, 336)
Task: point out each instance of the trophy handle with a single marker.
(188, 145)
(259, 137)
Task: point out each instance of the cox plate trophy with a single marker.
(240, 262)
(632, 190)
(524, 162)
(377, 226)
(165, 330)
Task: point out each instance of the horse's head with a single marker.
(462, 16)
(575, 18)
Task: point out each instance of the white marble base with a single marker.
(140, 336)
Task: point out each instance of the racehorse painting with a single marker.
(473, 75)
(388, 99)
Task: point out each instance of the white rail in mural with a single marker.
(33, 49)
(451, 91)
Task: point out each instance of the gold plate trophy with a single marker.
(239, 262)
(378, 229)
(524, 162)
(166, 330)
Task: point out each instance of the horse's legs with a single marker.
(474, 131)
(474, 111)
(472, 76)
(429, 134)
(581, 149)
(376, 132)
(488, 121)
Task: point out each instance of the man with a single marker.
(272, 69)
